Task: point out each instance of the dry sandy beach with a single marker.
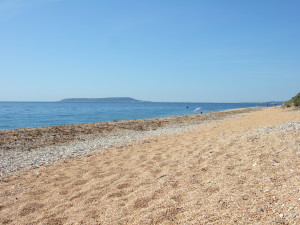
(236, 167)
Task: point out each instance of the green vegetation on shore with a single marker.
(295, 101)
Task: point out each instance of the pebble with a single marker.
(282, 216)
(283, 127)
(12, 161)
(292, 207)
(260, 209)
(290, 126)
(293, 215)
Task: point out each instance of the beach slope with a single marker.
(239, 170)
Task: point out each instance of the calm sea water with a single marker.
(40, 114)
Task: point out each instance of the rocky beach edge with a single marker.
(26, 148)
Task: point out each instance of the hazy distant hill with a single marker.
(119, 99)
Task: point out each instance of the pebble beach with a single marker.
(21, 149)
(231, 167)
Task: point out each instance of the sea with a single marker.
(14, 115)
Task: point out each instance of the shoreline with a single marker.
(23, 149)
(232, 168)
(39, 115)
(15, 138)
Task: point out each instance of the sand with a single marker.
(243, 170)
(22, 149)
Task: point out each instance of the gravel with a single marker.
(13, 161)
(290, 126)
(18, 158)
(280, 128)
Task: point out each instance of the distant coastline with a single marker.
(112, 99)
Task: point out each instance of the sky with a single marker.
(155, 50)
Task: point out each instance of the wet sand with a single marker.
(241, 170)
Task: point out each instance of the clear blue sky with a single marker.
(157, 50)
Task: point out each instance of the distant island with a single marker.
(113, 99)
